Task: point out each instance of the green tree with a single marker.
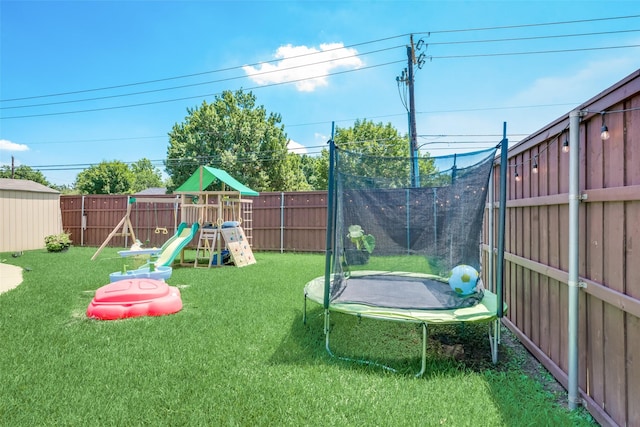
(145, 175)
(374, 139)
(295, 174)
(322, 170)
(316, 169)
(113, 177)
(308, 167)
(168, 183)
(386, 152)
(24, 172)
(235, 134)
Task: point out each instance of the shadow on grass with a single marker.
(304, 343)
(375, 345)
(516, 394)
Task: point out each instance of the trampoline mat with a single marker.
(403, 292)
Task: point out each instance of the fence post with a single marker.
(83, 222)
(573, 282)
(282, 222)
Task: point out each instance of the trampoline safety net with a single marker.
(386, 217)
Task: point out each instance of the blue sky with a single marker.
(329, 61)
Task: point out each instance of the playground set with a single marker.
(215, 216)
(223, 215)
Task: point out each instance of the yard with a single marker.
(238, 353)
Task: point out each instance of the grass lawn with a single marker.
(239, 354)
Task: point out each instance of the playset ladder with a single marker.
(208, 246)
(247, 219)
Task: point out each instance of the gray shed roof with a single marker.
(25, 185)
(152, 191)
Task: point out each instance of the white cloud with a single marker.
(308, 66)
(7, 145)
(296, 147)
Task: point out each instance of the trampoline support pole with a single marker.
(424, 350)
(493, 340)
(504, 148)
(490, 256)
(327, 328)
(304, 313)
(330, 224)
(326, 331)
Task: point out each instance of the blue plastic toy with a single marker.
(463, 279)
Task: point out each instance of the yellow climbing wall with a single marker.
(238, 246)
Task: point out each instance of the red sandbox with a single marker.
(134, 298)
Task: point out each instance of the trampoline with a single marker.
(420, 218)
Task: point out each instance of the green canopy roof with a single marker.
(209, 175)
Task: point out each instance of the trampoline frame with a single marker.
(492, 320)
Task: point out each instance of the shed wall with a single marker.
(26, 218)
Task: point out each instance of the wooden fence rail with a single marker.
(284, 222)
(537, 251)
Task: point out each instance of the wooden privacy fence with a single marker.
(537, 245)
(285, 222)
(537, 251)
(91, 218)
(290, 221)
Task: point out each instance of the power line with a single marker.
(424, 136)
(328, 122)
(321, 62)
(257, 156)
(532, 37)
(506, 27)
(508, 107)
(200, 83)
(479, 55)
(214, 160)
(470, 135)
(316, 77)
(77, 141)
(345, 47)
(200, 73)
(195, 96)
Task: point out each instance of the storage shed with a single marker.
(28, 212)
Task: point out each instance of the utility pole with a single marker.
(13, 167)
(413, 136)
(407, 78)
